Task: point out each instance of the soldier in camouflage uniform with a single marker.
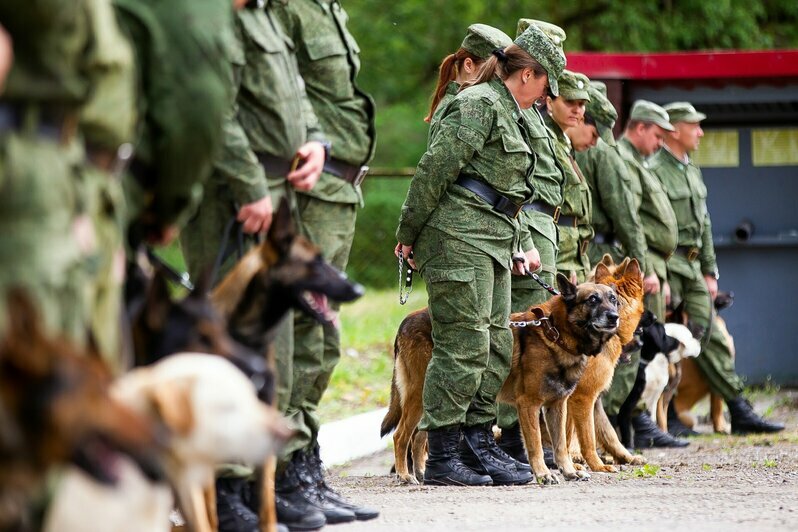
(537, 216)
(693, 270)
(269, 124)
(463, 65)
(329, 61)
(644, 134)
(460, 217)
(573, 223)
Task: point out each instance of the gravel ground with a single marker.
(719, 482)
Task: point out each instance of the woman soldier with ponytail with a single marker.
(463, 65)
(460, 218)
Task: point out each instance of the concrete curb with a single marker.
(351, 438)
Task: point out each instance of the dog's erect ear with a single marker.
(606, 260)
(156, 307)
(567, 288)
(282, 230)
(602, 272)
(633, 270)
(621, 269)
(172, 402)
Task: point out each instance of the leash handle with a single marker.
(405, 281)
(550, 289)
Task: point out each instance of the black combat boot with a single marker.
(676, 427)
(512, 444)
(744, 420)
(316, 469)
(479, 451)
(444, 467)
(293, 510)
(648, 434)
(231, 508)
(312, 493)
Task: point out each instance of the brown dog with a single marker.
(585, 414)
(552, 344)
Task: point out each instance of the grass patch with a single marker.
(362, 379)
(706, 467)
(644, 471)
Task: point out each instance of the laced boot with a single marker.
(479, 451)
(648, 434)
(312, 493)
(513, 445)
(744, 420)
(231, 508)
(293, 510)
(444, 466)
(316, 469)
(675, 425)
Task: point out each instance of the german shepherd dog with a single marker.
(549, 356)
(586, 417)
(692, 386)
(55, 409)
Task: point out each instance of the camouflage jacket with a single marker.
(656, 214)
(451, 91)
(615, 208)
(576, 199)
(183, 90)
(329, 61)
(688, 194)
(478, 137)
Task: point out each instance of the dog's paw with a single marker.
(604, 468)
(576, 475)
(577, 458)
(638, 459)
(580, 467)
(408, 479)
(546, 479)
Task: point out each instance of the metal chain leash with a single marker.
(405, 282)
(522, 324)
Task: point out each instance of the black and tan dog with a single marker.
(549, 355)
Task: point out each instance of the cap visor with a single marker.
(553, 86)
(667, 126)
(606, 134)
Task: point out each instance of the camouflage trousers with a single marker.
(39, 197)
(570, 258)
(469, 303)
(526, 292)
(715, 361)
(317, 348)
(595, 252)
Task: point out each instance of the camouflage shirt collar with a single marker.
(502, 89)
(685, 161)
(631, 148)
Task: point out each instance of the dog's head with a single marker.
(724, 300)
(55, 408)
(656, 340)
(592, 309)
(628, 278)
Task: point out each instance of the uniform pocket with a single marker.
(452, 294)
(323, 47)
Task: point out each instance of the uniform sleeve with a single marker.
(709, 264)
(462, 132)
(615, 193)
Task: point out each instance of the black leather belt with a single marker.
(606, 238)
(554, 212)
(273, 165)
(496, 199)
(347, 172)
(689, 252)
(57, 125)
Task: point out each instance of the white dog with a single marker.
(657, 373)
(215, 417)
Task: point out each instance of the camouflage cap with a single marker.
(574, 86)
(651, 113)
(541, 47)
(599, 86)
(683, 112)
(482, 39)
(552, 31)
(600, 108)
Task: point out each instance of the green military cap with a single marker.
(602, 111)
(550, 56)
(574, 86)
(649, 112)
(683, 112)
(599, 86)
(552, 31)
(482, 39)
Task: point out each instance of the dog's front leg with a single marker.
(608, 438)
(581, 408)
(420, 453)
(209, 493)
(191, 500)
(557, 424)
(529, 418)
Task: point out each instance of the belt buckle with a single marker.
(556, 215)
(692, 254)
(361, 175)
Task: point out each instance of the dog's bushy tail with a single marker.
(391, 419)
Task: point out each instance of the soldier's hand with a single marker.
(311, 162)
(256, 216)
(651, 284)
(407, 253)
(6, 56)
(533, 260)
(666, 292)
(712, 286)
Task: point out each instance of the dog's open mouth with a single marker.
(315, 304)
(605, 328)
(98, 459)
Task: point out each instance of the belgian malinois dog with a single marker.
(586, 416)
(551, 347)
